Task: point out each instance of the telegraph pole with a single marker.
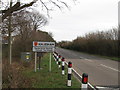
(9, 32)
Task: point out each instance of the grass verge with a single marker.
(112, 58)
(45, 79)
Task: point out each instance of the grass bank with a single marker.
(45, 79)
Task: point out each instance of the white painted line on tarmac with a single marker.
(107, 88)
(109, 67)
(82, 58)
(89, 60)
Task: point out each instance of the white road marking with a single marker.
(109, 67)
(89, 60)
(81, 57)
(106, 88)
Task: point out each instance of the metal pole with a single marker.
(50, 63)
(35, 61)
(39, 62)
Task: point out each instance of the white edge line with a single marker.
(110, 67)
(89, 60)
(100, 87)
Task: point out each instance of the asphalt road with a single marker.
(102, 72)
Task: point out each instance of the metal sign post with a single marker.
(43, 47)
(50, 63)
(35, 61)
(39, 62)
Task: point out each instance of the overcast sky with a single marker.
(84, 17)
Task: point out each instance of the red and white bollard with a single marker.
(54, 55)
(69, 74)
(63, 66)
(59, 60)
(84, 81)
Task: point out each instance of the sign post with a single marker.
(43, 47)
(50, 64)
(39, 62)
(35, 61)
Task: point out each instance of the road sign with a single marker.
(43, 46)
(26, 56)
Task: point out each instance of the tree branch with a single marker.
(16, 7)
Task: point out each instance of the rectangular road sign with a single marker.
(26, 56)
(43, 46)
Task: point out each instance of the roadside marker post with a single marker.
(69, 74)
(59, 60)
(84, 81)
(54, 56)
(63, 66)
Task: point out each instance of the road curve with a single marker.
(102, 72)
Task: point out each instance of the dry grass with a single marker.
(12, 76)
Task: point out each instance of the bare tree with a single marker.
(19, 6)
(24, 24)
(37, 20)
(100, 42)
(25, 20)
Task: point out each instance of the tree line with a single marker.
(11, 9)
(25, 29)
(100, 42)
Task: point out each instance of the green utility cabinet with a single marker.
(26, 56)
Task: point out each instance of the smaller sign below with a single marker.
(26, 56)
(40, 49)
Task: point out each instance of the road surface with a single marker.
(102, 72)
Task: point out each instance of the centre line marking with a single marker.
(109, 67)
(81, 57)
(89, 60)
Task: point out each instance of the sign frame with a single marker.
(43, 47)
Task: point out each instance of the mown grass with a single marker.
(46, 79)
